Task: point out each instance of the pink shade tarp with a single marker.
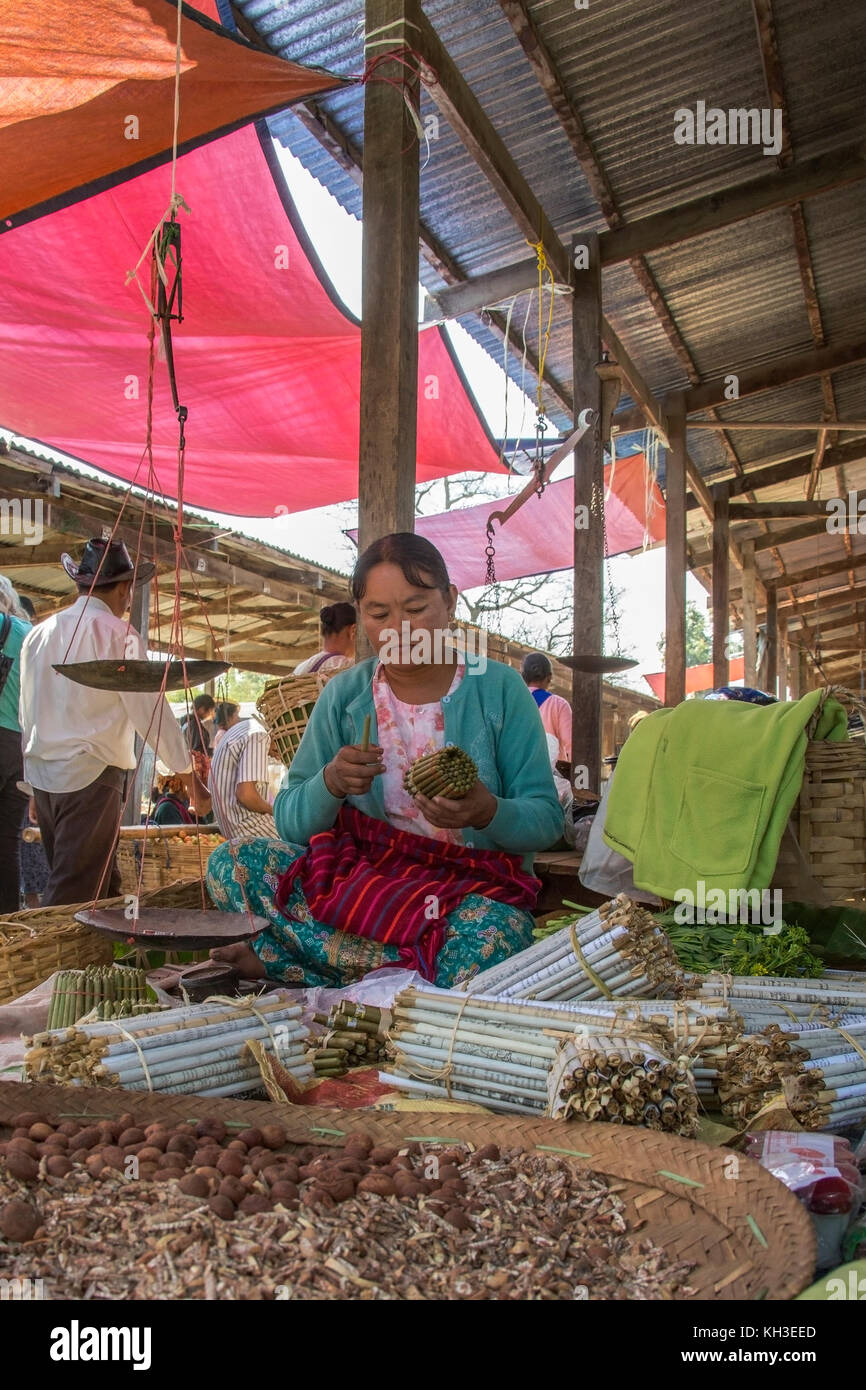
(539, 538)
(267, 360)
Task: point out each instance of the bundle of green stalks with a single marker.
(450, 772)
(353, 1039)
(106, 991)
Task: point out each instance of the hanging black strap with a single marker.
(6, 662)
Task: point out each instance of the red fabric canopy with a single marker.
(698, 677)
(267, 361)
(87, 92)
(540, 537)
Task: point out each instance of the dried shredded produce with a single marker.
(513, 1226)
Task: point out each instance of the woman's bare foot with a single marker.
(242, 957)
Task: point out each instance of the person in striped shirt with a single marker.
(239, 783)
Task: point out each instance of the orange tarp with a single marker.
(698, 677)
(87, 93)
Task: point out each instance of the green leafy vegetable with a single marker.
(740, 948)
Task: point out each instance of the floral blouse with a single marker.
(407, 732)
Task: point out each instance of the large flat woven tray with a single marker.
(749, 1236)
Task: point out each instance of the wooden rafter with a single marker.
(797, 367)
(710, 213)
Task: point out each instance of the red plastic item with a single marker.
(818, 1168)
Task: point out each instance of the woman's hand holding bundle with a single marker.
(473, 811)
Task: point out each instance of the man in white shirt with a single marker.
(239, 783)
(78, 742)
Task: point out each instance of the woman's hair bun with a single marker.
(335, 617)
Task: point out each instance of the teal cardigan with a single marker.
(491, 715)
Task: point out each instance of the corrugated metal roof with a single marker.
(736, 295)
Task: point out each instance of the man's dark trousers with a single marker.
(79, 833)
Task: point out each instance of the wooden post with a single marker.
(782, 626)
(675, 552)
(389, 313)
(720, 586)
(772, 641)
(140, 620)
(750, 629)
(588, 494)
(805, 684)
(209, 687)
(794, 669)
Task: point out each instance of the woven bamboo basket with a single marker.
(34, 944)
(165, 855)
(749, 1239)
(829, 820)
(285, 706)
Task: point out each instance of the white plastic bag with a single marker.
(604, 870)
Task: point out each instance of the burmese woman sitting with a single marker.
(366, 875)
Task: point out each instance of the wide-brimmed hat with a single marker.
(104, 563)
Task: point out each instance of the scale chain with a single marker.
(597, 507)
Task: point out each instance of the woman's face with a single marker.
(393, 610)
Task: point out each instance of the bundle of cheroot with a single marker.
(449, 772)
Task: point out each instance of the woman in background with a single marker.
(338, 623)
(172, 803)
(14, 627)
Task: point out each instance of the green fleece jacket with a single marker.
(491, 716)
(704, 791)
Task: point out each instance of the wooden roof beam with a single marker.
(63, 518)
(830, 598)
(813, 573)
(830, 605)
(627, 241)
(753, 511)
(755, 478)
(797, 367)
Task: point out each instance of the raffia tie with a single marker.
(424, 1073)
(585, 966)
(242, 1004)
(843, 1032)
(129, 1038)
(681, 1031)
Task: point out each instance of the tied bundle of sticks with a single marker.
(450, 772)
(701, 1032)
(614, 1078)
(353, 1038)
(200, 1050)
(106, 991)
(496, 1053)
(618, 951)
(762, 999)
(821, 1071)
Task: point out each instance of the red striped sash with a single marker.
(367, 878)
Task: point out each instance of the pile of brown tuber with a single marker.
(253, 1170)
